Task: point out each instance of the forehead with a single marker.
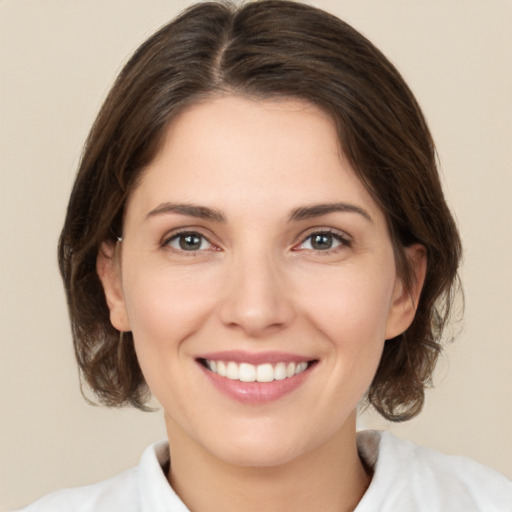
(245, 152)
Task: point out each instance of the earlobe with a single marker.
(109, 272)
(405, 300)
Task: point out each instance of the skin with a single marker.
(257, 283)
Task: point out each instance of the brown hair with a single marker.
(263, 49)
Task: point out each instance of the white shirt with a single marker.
(407, 478)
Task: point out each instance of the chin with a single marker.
(261, 445)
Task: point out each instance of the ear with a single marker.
(108, 266)
(405, 302)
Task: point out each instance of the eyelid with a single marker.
(340, 235)
(343, 237)
(175, 233)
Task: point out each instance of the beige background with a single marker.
(57, 60)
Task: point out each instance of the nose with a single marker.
(257, 297)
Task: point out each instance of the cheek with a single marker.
(351, 302)
(165, 307)
(351, 309)
(165, 310)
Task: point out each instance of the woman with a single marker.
(257, 234)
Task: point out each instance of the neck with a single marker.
(328, 478)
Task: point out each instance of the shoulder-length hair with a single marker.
(263, 49)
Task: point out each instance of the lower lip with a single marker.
(257, 392)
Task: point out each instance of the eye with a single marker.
(322, 241)
(188, 241)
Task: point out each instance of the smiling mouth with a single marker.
(246, 372)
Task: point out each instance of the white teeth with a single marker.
(280, 371)
(300, 368)
(221, 369)
(246, 372)
(232, 371)
(265, 373)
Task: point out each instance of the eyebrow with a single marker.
(191, 210)
(317, 210)
(298, 214)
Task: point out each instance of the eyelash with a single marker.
(176, 236)
(343, 240)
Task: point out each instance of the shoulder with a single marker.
(407, 475)
(99, 497)
(143, 488)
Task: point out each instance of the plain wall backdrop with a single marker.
(57, 61)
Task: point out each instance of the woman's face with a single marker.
(257, 276)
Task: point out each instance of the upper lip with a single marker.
(255, 358)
